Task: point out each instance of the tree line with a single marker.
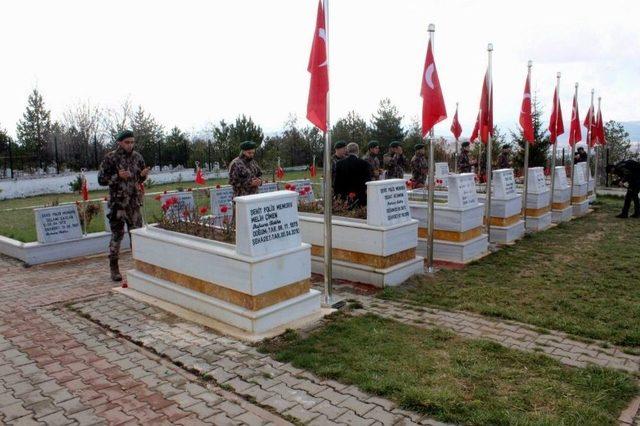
(85, 132)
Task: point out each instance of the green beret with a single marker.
(418, 146)
(124, 135)
(394, 144)
(340, 144)
(372, 144)
(465, 144)
(246, 145)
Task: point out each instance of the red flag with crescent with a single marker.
(484, 122)
(599, 132)
(319, 69)
(200, 180)
(575, 134)
(433, 108)
(591, 125)
(526, 118)
(456, 128)
(556, 126)
(85, 189)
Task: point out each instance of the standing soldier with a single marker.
(419, 167)
(371, 157)
(244, 172)
(395, 161)
(503, 159)
(340, 152)
(123, 170)
(464, 162)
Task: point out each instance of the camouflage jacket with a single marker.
(241, 171)
(395, 166)
(464, 163)
(124, 194)
(419, 168)
(374, 162)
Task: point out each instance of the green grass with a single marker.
(582, 277)
(453, 379)
(20, 224)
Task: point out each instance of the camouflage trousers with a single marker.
(117, 220)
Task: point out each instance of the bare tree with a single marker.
(118, 119)
(86, 121)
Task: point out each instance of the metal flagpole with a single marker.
(489, 134)
(455, 157)
(555, 143)
(573, 153)
(328, 300)
(432, 189)
(589, 143)
(526, 157)
(84, 202)
(595, 147)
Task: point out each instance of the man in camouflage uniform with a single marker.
(504, 161)
(464, 162)
(124, 171)
(371, 157)
(419, 167)
(244, 172)
(395, 161)
(340, 153)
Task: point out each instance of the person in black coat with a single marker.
(628, 172)
(352, 175)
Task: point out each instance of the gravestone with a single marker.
(561, 178)
(222, 197)
(268, 187)
(185, 202)
(266, 223)
(59, 223)
(504, 184)
(536, 181)
(580, 171)
(462, 191)
(387, 202)
(304, 190)
(442, 171)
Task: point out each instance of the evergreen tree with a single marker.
(351, 128)
(618, 142)
(221, 149)
(176, 148)
(244, 129)
(386, 125)
(149, 135)
(539, 150)
(34, 128)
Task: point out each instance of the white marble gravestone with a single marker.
(222, 197)
(442, 171)
(580, 174)
(387, 202)
(266, 223)
(561, 181)
(59, 223)
(462, 191)
(504, 184)
(185, 202)
(536, 181)
(268, 187)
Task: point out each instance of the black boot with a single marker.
(115, 271)
(622, 216)
(636, 215)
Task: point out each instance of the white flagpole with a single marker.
(455, 157)
(430, 267)
(573, 151)
(595, 173)
(589, 143)
(555, 143)
(526, 155)
(489, 133)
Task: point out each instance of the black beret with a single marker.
(394, 144)
(340, 144)
(124, 135)
(246, 145)
(372, 144)
(418, 146)
(465, 144)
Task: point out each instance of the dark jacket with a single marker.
(352, 175)
(628, 171)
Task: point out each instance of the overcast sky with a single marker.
(190, 63)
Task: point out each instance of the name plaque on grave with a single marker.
(442, 171)
(185, 202)
(59, 223)
(304, 190)
(561, 178)
(387, 202)
(537, 183)
(266, 223)
(462, 190)
(504, 184)
(222, 197)
(268, 187)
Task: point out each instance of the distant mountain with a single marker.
(633, 127)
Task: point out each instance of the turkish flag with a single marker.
(590, 124)
(319, 69)
(200, 177)
(526, 118)
(279, 172)
(556, 127)
(456, 128)
(312, 170)
(85, 189)
(575, 134)
(433, 109)
(599, 132)
(484, 122)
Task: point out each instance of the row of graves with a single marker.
(246, 262)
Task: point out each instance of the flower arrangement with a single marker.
(340, 207)
(196, 222)
(88, 211)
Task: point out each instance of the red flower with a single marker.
(218, 186)
(124, 284)
(203, 210)
(165, 206)
(439, 181)
(224, 209)
(173, 200)
(293, 187)
(106, 198)
(352, 195)
(185, 213)
(189, 189)
(287, 186)
(409, 184)
(164, 192)
(157, 197)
